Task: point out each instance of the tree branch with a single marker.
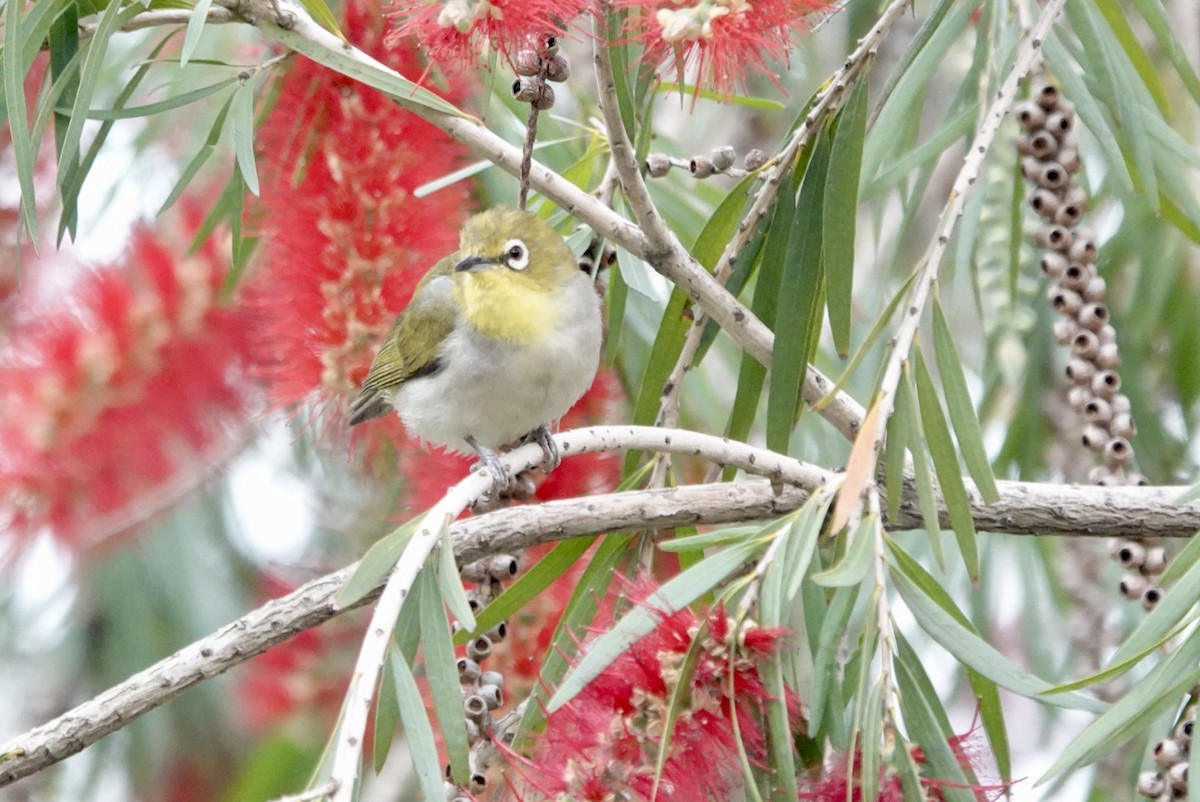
(1024, 509)
(158, 17)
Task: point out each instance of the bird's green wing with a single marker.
(411, 347)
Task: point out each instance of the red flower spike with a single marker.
(346, 242)
(835, 785)
(604, 743)
(113, 397)
(722, 38)
(455, 31)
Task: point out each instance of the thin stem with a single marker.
(527, 155)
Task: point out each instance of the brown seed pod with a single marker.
(1045, 94)
(658, 165)
(1044, 202)
(1153, 565)
(701, 167)
(1075, 277)
(502, 567)
(1095, 290)
(1054, 237)
(1030, 115)
(1130, 554)
(557, 68)
(1094, 437)
(1081, 371)
(1065, 330)
(1117, 451)
(479, 649)
(1132, 585)
(1085, 344)
(1054, 264)
(1093, 316)
(1098, 411)
(1151, 596)
(754, 159)
(1068, 302)
(722, 158)
(1105, 384)
(527, 63)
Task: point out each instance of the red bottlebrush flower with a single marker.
(835, 785)
(455, 31)
(604, 743)
(112, 399)
(723, 38)
(346, 243)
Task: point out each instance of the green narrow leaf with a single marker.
(1145, 701)
(841, 211)
(945, 464)
(870, 738)
(877, 328)
(387, 710)
(895, 448)
(667, 87)
(802, 542)
(673, 595)
(201, 157)
(441, 671)
(668, 344)
(679, 702)
(1156, 18)
(72, 186)
(319, 11)
(1118, 23)
(579, 613)
(528, 586)
(932, 607)
(195, 27)
(89, 77)
(854, 565)
(418, 730)
(178, 101)
(243, 135)
(927, 725)
(906, 405)
(376, 564)
(798, 309)
(451, 583)
(64, 47)
(826, 678)
(960, 406)
(618, 297)
(14, 101)
(1114, 670)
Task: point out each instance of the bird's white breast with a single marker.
(497, 391)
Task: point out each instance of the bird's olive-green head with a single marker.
(509, 269)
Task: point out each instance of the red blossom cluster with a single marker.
(604, 743)
(722, 38)
(345, 242)
(117, 390)
(456, 32)
(835, 785)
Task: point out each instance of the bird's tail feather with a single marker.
(370, 403)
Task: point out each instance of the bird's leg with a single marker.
(541, 435)
(491, 461)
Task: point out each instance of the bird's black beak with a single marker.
(472, 263)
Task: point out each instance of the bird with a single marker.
(500, 338)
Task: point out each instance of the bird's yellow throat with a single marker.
(506, 306)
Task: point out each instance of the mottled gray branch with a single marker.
(1024, 509)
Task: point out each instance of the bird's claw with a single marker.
(490, 460)
(541, 435)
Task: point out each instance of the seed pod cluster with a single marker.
(719, 161)
(1170, 781)
(482, 689)
(536, 69)
(1050, 163)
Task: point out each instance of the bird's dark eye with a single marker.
(516, 255)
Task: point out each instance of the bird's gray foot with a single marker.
(541, 435)
(491, 460)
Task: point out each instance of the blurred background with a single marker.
(176, 353)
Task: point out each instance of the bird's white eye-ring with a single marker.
(516, 255)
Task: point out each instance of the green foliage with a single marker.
(893, 647)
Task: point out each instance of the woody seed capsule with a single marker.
(658, 165)
(722, 158)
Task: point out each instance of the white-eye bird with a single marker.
(500, 338)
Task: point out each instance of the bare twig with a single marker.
(159, 17)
